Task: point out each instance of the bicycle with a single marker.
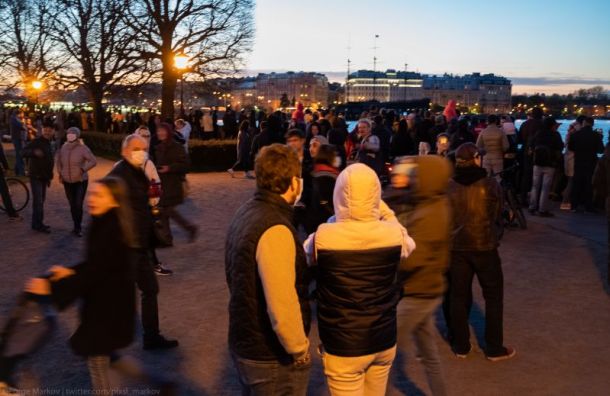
(19, 193)
(512, 213)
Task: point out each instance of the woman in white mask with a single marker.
(74, 160)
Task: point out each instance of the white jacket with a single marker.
(362, 220)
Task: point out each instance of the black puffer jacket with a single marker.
(41, 161)
(424, 210)
(476, 201)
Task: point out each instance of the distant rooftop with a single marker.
(445, 81)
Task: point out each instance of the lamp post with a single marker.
(181, 62)
(37, 85)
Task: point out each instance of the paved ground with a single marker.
(556, 306)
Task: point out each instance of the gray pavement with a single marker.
(556, 305)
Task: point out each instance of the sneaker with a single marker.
(231, 172)
(463, 355)
(565, 206)
(159, 270)
(510, 353)
(159, 342)
(546, 214)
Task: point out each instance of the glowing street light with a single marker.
(181, 61)
(37, 85)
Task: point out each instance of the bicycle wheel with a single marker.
(517, 210)
(19, 193)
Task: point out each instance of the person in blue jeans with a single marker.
(17, 129)
(419, 198)
(41, 163)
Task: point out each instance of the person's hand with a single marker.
(163, 169)
(59, 272)
(302, 360)
(39, 286)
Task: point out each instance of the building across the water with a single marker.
(481, 93)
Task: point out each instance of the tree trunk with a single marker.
(99, 117)
(168, 88)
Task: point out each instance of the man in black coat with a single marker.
(134, 152)
(40, 156)
(585, 144)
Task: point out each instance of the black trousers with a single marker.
(488, 269)
(6, 196)
(75, 192)
(39, 194)
(149, 286)
(582, 188)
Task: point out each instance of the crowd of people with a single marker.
(380, 227)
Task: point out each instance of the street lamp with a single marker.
(37, 85)
(181, 62)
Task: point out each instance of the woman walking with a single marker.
(172, 165)
(74, 160)
(105, 282)
(244, 145)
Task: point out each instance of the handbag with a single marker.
(161, 232)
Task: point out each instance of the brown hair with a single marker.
(275, 167)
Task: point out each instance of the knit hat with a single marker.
(73, 130)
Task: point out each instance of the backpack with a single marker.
(543, 156)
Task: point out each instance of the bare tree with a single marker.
(101, 47)
(215, 34)
(26, 48)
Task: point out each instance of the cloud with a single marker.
(559, 81)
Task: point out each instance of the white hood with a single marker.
(357, 194)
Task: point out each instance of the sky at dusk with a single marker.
(541, 45)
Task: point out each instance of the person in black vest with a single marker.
(134, 152)
(476, 203)
(586, 144)
(40, 155)
(265, 264)
(357, 258)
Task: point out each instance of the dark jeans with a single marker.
(488, 269)
(270, 378)
(148, 285)
(19, 165)
(170, 212)
(39, 194)
(582, 189)
(75, 192)
(6, 196)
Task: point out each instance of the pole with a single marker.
(375, 68)
(182, 96)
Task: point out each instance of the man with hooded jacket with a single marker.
(419, 198)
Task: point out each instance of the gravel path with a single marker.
(556, 305)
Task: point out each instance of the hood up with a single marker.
(357, 194)
(433, 173)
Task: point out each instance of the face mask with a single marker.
(138, 158)
(337, 162)
(298, 198)
(71, 137)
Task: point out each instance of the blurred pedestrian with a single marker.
(474, 251)
(568, 161)
(269, 311)
(357, 258)
(182, 133)
(244, 146)
(207, 125)
(528, 130)
(104, 282)
(324, 175)
(7, 202)
(40, 170)
(495, 143)
(74, 160)
(419, 198)
(18, 137)
(172, 165)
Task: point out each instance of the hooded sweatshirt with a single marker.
(357, 258)
(424, 209)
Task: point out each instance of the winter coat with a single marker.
(74, 160)
(105, 282)
(528, 130)
(320, 207)
(40, 167)
(424, 209)
(547, 146)
(585, 144)
(357, 260)
(137, 184)
(170, 153)
(494, 141)
(476, 202)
